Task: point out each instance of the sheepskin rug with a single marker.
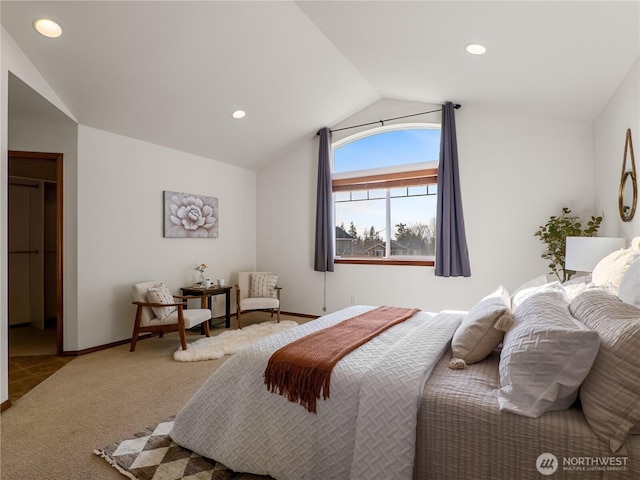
(230, 341)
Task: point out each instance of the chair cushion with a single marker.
(258, 303)
(192, 317)
(263, 285)
(139, 291)
(161, 294)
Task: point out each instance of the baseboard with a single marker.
(302, 315)
(20, 325)
(4, 405)
(75, 353)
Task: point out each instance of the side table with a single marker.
(206, 303)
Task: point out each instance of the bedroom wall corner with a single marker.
(120, 209)
(621, 112)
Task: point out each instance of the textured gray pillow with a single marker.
(483, 327)
(545, 356)
(610, 395)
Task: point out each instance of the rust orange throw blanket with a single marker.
(302, 369)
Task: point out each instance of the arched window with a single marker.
(384, 184)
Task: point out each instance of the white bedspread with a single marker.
(365, 430)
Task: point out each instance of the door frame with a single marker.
(58, 159)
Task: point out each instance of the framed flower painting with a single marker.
(190, 216)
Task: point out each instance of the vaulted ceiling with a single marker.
(172, 72)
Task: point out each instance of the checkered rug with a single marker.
(152, 455)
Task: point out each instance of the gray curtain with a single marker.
(452, 256)
(324, 251)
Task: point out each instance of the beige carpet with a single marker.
(96, 400)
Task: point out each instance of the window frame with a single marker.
(406, 175)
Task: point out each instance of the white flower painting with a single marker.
(190, 216)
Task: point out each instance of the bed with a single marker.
(399, 410)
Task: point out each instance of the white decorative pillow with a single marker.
(629, 291)
(545, 356)
(263, 285)
(578, 278)
(621, 269)
(519, 297)
(610, 394)
(483, 327)
(534, 282)
(161, 294)
(573, 290)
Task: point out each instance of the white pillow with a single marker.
(520, 296)
(621, 269)
(578, 278)
(483, 327)
(629, 291)
(545, 356)
(161, 294)
(263, 285)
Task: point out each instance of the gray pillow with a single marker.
(610, 394)
(545, 356)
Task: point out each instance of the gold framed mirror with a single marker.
(628, 191)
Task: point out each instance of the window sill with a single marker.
(384, 261)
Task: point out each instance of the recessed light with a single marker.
(476, 49)
(238, 114)
(47, 27)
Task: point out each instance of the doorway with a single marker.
(35, 268)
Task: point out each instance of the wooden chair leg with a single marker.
(183, 335)
(278, 314)
(206, 328)
(183, 338)
(136, 329)
(239, 319)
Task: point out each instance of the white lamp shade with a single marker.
(584, 253)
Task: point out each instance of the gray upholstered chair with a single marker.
(257, 291)
(165, 314)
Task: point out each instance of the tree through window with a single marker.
(384, 184)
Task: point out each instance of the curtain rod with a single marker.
(456, 106)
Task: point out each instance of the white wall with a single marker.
(13, 59)
(113, 193)
(120, 237)
(516, 171)
(118, 182)
(621, 112)
(4, 274)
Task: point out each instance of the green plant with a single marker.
(554, 234)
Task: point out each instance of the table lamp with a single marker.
(584, 253)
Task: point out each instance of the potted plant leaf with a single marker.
(554, 233)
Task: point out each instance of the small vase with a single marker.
(201, 282)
